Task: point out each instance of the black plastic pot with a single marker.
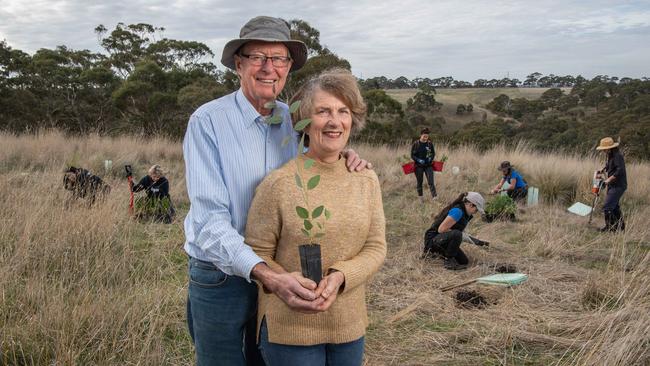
(310, 262)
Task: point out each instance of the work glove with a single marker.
(470, 239)
(481, 243)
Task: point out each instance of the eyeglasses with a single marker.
(259, 60)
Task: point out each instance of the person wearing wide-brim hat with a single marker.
(616, 184)
(229, 147)
(447, 232)
(517, 186)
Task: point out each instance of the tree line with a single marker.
(573, 121)
(146, 84)
(535, 79)
(140, 84)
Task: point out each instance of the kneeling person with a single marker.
(446, 233)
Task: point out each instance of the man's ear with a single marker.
(237, 64)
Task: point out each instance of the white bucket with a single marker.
(108, 165)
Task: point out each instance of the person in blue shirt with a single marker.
(517, 186)
(423, 153)
(616, 183)
(446, 234)
(229, 147)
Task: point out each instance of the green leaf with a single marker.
(270, 105)
(309, 163)
(319, 235)
(306, 233)
(308, 225)
(313, 182)
(301, 144)
(286, 140)
(294, 106)
(274, 120)
(298, 180)
(328, 214)
(317, 212)
(302, 124)
(302, 212)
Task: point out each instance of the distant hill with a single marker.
(478, 97)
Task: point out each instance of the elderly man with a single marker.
(228, 149)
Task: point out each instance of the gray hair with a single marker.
(157, 170)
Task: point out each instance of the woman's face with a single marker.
(154, 176)
(470, 208)
(330, 128)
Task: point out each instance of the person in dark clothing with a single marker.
(423, 153)
(447, 231)
(616, 185)
(517, 186)
(156, 185)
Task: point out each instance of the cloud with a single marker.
(468, 40)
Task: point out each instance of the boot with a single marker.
(618, 224)
(608, 222)
(452, 264)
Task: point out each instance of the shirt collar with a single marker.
(247, 110)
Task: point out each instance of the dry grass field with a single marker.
(478, 97)
(90, 286)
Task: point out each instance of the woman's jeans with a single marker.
(326, 354)
(221, 315)
(612, 208)
(428, 171)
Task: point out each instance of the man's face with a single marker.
(261, 84)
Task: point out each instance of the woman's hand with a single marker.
(328, 289)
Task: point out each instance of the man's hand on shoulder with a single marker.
(354, 162)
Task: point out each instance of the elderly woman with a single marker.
(517, 186)
(353, 244)
(447, 231)
(158, 199)
(616, 184)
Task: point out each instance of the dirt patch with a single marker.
(470, 299)
(506, 268)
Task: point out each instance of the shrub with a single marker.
(501, 206)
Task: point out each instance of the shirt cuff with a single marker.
(244, 263)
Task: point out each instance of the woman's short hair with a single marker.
(339, 83)
(157, 170)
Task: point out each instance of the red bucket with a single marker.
(408, 168)
(437, 166)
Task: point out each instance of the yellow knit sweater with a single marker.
(354, 243)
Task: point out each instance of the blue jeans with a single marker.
(221, 315)
(326, 354)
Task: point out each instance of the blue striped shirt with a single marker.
(228, 150)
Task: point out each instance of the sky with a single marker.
(467, 39)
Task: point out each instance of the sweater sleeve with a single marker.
(142, 184)
(358, 269)
(264, 222)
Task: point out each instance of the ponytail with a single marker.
(445, 211)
